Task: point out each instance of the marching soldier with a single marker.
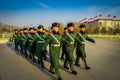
(80, 50)
(70, 36)
(54, 41)
(25, 41)
(15, 38)
(63, 45)
(31, 48)
(20, 41)
(39, 40)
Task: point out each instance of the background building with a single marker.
(103, 26)
(104, 22)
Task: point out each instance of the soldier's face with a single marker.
(82, 29)
(32, 31)
(21, 31)
(71, 28)
(56, 29)
(35, 31)
(66, 30)
(16, 31)
(41, 30)
(25, 31)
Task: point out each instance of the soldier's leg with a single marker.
(57, 72)
(71, 63)
(38, 60)
(30, 55)
(15, 46)
(44, 54)
(66, 62)
(33, 57)
(51, 70)
(21, 49)
(62, 55)
(25, 53)
(71, 66)
(77, 61)
(85, 63)
(63, 52)
(41, 61)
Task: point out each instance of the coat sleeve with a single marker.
(77, 40)
(13, 36)
(46, 43)
(64, 41)
(26, 40)
(45, 36)
(34, 40)
(90, 39)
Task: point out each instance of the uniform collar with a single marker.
(71, 32)
(82, 32)
(25, 33)
(55, 32)
(40, 33)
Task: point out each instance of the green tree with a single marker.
(96, 30)
(110, 30)
(103, 30)
(116, 31)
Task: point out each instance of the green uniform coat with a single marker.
(24, 39)
(31, 48)
(39, 41)
(20, 42)
(80, 50)
(71, 46)
(54, 50)
(15, 38)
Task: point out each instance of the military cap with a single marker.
(40, 26)
(31, 28)
(16, 30)
(20, 29)
(35, 29)
(70, 25)
(82, 26)
(25, 29)
(55, 25)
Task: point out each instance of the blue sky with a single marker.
(27, 12)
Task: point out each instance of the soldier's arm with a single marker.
(90, 39)
(47, 41)
(13, 37)
(77, 40)
(26, 40)
(18, 38)
(34, 40)
(45, 36)
(64, 41)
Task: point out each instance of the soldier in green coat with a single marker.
(20, 41)
(25, 41)
(54, 40)
(63, 45)
(39, 40)
(70, 36)
(31, 48)
(80, 50)
(15, 38)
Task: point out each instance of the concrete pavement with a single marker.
(103, 58)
